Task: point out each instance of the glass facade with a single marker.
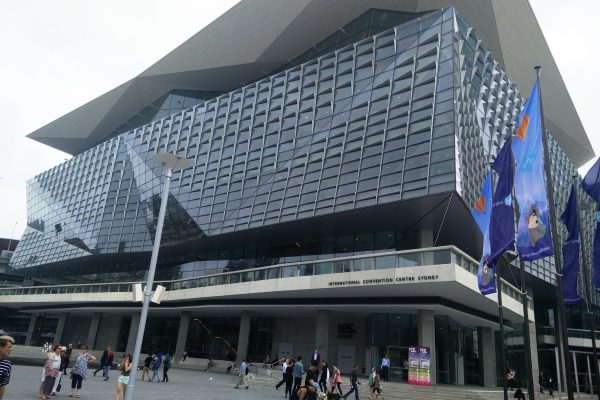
(415, 110)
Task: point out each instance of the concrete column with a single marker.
(243, 339)
(535, 366)
(426, 330)
(60, 328)
(93, 333)
(133, 329)
(30, 330)
(322, 334)
(184, 326)
(487, 352)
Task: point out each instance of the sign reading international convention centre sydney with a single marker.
(380, 281)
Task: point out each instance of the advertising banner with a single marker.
(419, 364)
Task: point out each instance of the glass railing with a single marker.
(379, 261)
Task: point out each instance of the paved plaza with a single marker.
(183, 384)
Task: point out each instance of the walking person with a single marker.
(283, 370)
(63, 366)
(311, 387)
(104, 360)
(156, 367)
(324, 377)
(147, 366)
(51, 371)
(289, 378)
(298, 373)
(6, 344)
(68, 354)
(385, 368)
(125, 368)
(79, 371)
(354, 382)
(242, 379)
(166, 366)
(336, 379)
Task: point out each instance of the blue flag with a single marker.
(481, 213)
(571, 250)
(534, 239)
(591, 185)
(502, 225)
(591, 182)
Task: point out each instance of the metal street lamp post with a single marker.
(170, 162)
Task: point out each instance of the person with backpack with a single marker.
(242, 378)
(166, 366)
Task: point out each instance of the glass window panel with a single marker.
(385, 262)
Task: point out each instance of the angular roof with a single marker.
(256, 37)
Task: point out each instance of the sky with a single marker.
(58, 55)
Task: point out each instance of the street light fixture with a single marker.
(170, 162)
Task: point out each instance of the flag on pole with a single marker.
(591, 185)
(571, 250)
(502, 225)
(534, 238)
(591, 182)
(481, 213)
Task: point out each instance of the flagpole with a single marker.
(524, 300)
(562, 322)
(588, 303)
(500, 313)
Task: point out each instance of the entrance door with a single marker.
(346, 358)
(398, 356)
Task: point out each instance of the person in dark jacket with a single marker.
(324, 377)
(353, 383)
(289, 378)
(105, 361)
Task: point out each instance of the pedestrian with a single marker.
(354, 382)
(6, 344)
(63, 367)
(385, 368)
(375, 385)
(324, 378)
(166, 366)
(242, 378)
(510, 378)
(51, 371)
(298, 373)
(283, 370)
(209, 365)
(336, 379)
(311, 387)
(79, 371)
(147, 366)
(184, 356)
(79, 344)
(123, 381)
(316, 357)
(519, 394)
(289, 378)
(103, 361)
(156, 367)
(68, 354)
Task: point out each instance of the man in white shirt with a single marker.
(284, 367)
(316, 357)
(385, 368)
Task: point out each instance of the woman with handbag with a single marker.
(125, 368)
(51, 370)
(79, 371)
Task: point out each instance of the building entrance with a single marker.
(398, 362)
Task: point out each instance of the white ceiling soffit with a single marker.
(256, 37)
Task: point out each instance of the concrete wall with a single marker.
(76, 328)
(108, 331)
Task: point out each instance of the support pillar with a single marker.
(30, 330)
(133, 329)
(487, 350)
(60, 328)
(184, 326)
(243, 339)
(426, 330)
(322, 334)
(93, 333)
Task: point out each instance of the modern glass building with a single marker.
(327, 202)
